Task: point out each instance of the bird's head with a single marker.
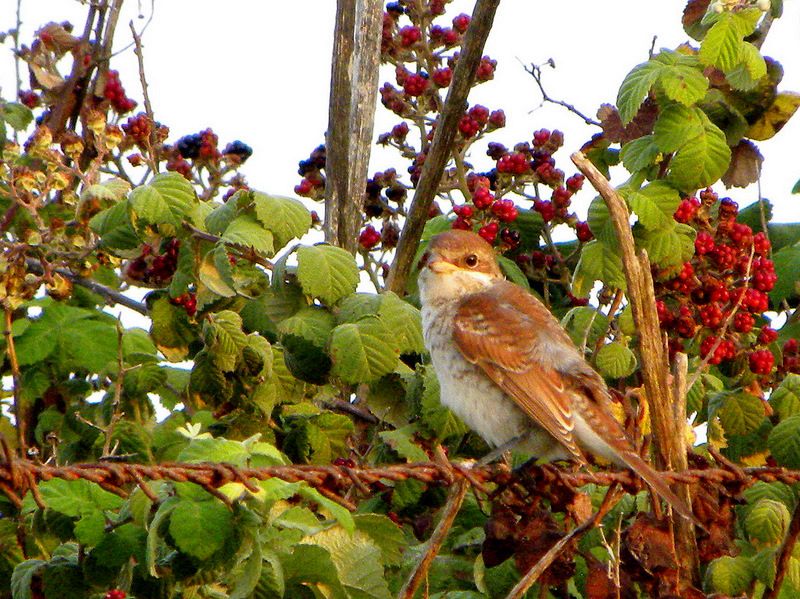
(457, 263)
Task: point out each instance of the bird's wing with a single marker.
(508, 334)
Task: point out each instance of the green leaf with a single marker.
(702, 160)
(585, 325)
(287, 218)
(311, 567)
(215, 450)
(598, 262)
(77, 497)
(387, 535)
(358, 562)
(668, 246)
(746, 75)
(767, 522)
(246, 231)
(764, 566)
(23, 576)
(214, 272)
(722, 46)
(684, 83)
(163, 203)
(634, 89)
(785, 399)
(639, 154)
(728, 575)
(615, 360)
(63, 579)
(787, 265)
(327, 272)
(655, 204)
(90, 529)
(784, 442)
(114, 227)
(247, 577)
(17, 115)
(225, 339)
(363, 351)
(739, 413)
(599, 221)
(171, 330)
(339, 513)
(436, 417)
(401, 441)
(405, 322)
(676, 125)
(200, 528)
(313, 323)
(221, 216)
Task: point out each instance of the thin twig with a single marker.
(20, 413)
(116, 414)
(112, 296)
(441, 147)
(152, 160)
(449, 512)
(535, 71)
(532, 575)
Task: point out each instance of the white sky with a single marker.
(259, 72)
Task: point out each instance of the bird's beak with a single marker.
(439, 266)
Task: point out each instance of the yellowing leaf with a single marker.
(775, 117)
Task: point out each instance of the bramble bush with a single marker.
(264, 352)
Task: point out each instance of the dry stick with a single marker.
(20, 414)
(112, 296)
(148, 107)
(450, 510)
(116, 415)
(351, 115)
(432, 170)
(668, 428)
(786, 554)
(532, 575)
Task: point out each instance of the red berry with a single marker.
(743, 322)
(741, 235)
(545, 208)
(561, 197)
(29, 98)
(486, 69)
(541, 137)
(767, 335)
(482, 198)
(510, 237)
(755, 301)
(304, 188)
(369, 237)
(468, 126)
(704, 243)
(415, 84)
(464, 211)
(115, 594)
(728, 209)
(791, 346)
(761, 244)
(575, 182)
(442, 77)
(400, 131)
(711, 315)
(344, 462)
(761, 361)
(488, 233)
(687, 210)
(462, 223)
(409, 36)
(479, 113)
(461, 22)
(583, 232)
(497, 119)
(514, 164)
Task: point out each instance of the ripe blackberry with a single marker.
(240, 149)
(189, 145)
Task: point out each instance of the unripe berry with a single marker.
(415, 84)
(479, 113)
(704, 243)
(369, 237)
(486, 69)
(468, 126)
(409, 36)
(583, 232)
(761, 361)
(488, 233)
(442, 77)
(761, 244)
(497, 119)
(767, 335)
(461, 22)
(482, 198)
(541, 137)
(545, 208)
(575, 182)
(743, 322)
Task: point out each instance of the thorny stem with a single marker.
(19, 410)
(152, 159)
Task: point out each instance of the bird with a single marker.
(509, 370)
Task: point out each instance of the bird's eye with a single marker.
(471, 261)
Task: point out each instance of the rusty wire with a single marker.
(20, 476)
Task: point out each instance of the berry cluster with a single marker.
(721, 294)
(313, 183)
(154, 268)
(115, 93)
(199, 146)
(238, 149)
(29, 98)
(188, 301)
(115, 594)
(138, 128)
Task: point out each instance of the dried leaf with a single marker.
(641, 125)
(745, 165)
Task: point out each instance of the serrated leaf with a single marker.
(740, 413)
(639, 154)
(327, 272)
(214, 272)
(585, 325)
(702, 160)
(90, 529)
(218, 219)
(599, 221)
(728, 575)
(655, 204)
(776, 491)
(767, 522)
(114, 227)
(722, 46)
(170, 329)
(225, 338)
(615, 360)
(435, 416)
(387, 535)
(598, 262)
(634, 89)
(163, 203)
(746, 75)
(23, 576)
(676, 125)
(683, 83)
(287, 218)
(668, 246)
(400, 440)
(246, 578)
(404, 321)
(784, 442)
(246, 231)
(215, 450)
(357, 561)
(764, 566)
(314, 324)
(200, 528)
(77, 497)
(787, 265)
(363, 351)
(17, 115)
(785, 399)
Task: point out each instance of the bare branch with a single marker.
(535, 71)
(148, 107)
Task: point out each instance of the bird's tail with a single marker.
(654, 479)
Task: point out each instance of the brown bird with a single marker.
(507, 368)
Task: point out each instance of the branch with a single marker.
(19, 411)
(151, 154)
(112, 295)
(535, 71)
(432, 170)
(351, 116)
